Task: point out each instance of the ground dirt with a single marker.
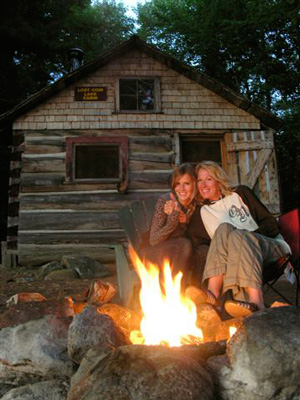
(22, 279)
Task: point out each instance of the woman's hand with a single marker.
(182, 217)
(171, 205)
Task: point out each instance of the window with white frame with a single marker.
(138, 95)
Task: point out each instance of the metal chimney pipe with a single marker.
(75, 56)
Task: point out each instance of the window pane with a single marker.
(197, 151)
(136, 94)
(96, 162)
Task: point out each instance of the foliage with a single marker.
(251, 46)
(36, 35)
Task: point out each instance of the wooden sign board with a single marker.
(98, 93)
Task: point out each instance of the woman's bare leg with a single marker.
(215, 284)
(256, 297)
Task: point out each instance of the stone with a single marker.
(85, 266)
(24, 312)
(100, 292)
(24, 298)
(125, 318)
(91, 328)
(37, 347)
(61, 275)
(264, 357)
(140, 372)
(49, 267)
(47, 390)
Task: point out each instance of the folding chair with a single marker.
(289, 228)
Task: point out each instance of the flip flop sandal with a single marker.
(237, 308)
(200, 296)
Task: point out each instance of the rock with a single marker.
(36, 347)
(62, 275)
(125, 318)
(100, 292)
(89, 329)
(24, 298)
(49, 267)
(264, 357)
(140, 373)
(85, 266)
(46, 390)
(24, 312)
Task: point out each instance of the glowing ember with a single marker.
(232, 330)
(169, 318)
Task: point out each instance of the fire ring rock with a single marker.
(91, 328)
(139, 372)
(264, 357)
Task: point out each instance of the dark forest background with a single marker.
(251, 46)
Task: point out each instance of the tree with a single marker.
(251, 46)
(36, 34)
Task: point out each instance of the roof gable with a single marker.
(135, 42)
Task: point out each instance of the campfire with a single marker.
(169, 318)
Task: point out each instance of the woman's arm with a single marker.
(267, 224)
(162, 225)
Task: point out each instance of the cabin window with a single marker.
(101, 159)
(138, 95)
(197, 149)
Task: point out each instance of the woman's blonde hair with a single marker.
(218, 174)
(181, 170)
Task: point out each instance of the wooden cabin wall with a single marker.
(58, 217)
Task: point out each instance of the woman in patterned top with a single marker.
(242, 236)
(168, 231)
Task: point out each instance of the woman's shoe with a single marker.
(200, 296)
(237, 308)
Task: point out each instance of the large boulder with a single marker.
(47, 390)
(140, 372)
(37, 347)
(91, 328)
(264, 357)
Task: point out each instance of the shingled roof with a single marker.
(266, 118)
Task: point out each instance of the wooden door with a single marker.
(251, 161)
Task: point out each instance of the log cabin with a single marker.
(109, 132)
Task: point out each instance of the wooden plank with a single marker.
(68, 220)
(155, 157)
(81, 200)
(151, 143)
(45, 140)
(257, 170)
(242, 163)
(42, 179)
(151, 178)
(245, 145)
(44, 165)
(43, 149)
(137, 166)
(149, 207)
(139, 217)
(30, 255)
(231, 159)
(76, 237)
(127, 223)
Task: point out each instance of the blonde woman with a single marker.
(243, 236)
(168, 231)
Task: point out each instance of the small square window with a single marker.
(197, 149)
(97, 159)
(138, 95)
(96, 162)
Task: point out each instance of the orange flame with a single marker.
(232, 330)
(169, 318)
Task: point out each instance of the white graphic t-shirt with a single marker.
(230, 209)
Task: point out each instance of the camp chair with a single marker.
(289, 228)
